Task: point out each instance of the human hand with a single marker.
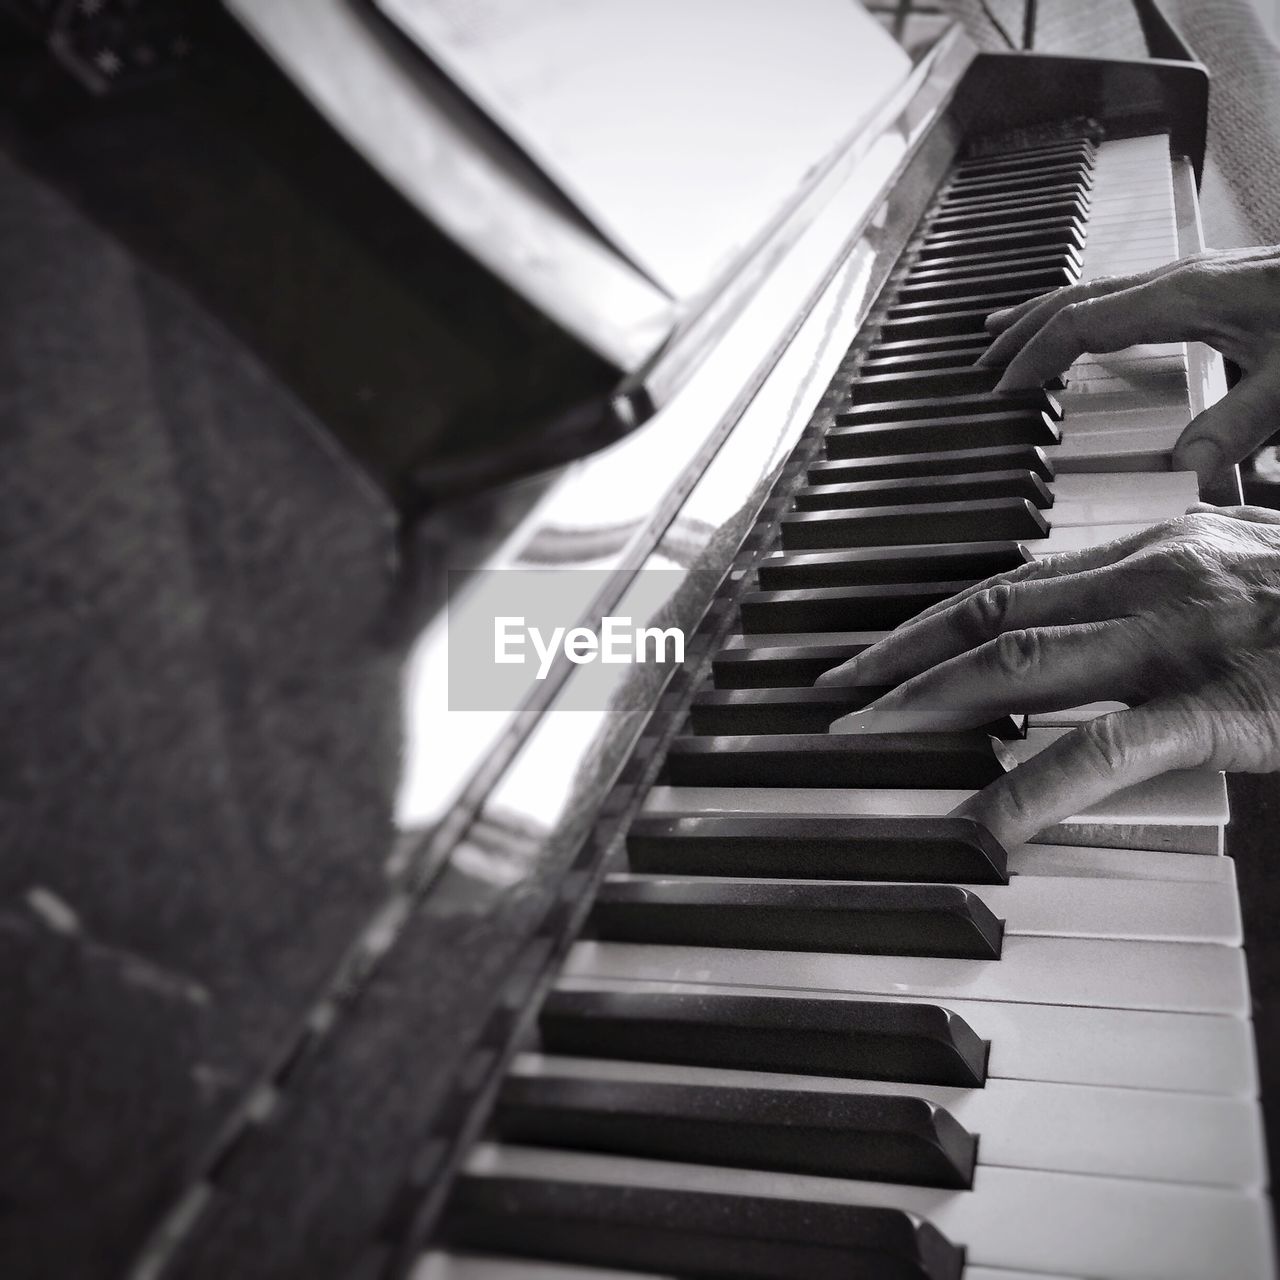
(1180, 621)
(1229, 300)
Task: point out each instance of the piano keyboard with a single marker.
(815, 1027)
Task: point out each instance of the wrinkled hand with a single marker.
(1180, 621)
(1229, 300)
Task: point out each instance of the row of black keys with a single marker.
(936, 401)
(777, 737)
(745, 735)
(993, 241)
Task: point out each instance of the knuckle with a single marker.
(983, 614)
(1105, 745)
(1016, 653)
(1068, 324)
(1015, 804)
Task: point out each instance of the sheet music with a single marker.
(679, 127)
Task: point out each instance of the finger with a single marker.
(1036, 669)
(1256, 515)
(1152, 312)
(1230, 430)
(1001, 322)
(979, 617)
(1057, 566)
(1091, 763)
(1018, 323)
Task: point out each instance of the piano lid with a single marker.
(613, 163)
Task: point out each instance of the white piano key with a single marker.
(1070, 513)
(1119, 1228)
(1153, 417)
(1187, 797)
(1071, 716)
(1112, 395)
(439, 1264)
(1119, 864)
(1122, 448)
(1080, 537)
(1178, 486)
(1098, 973)
(1130, 364)
(1076, 907)
(1064, 1044)
(1197, 1139)
(1135, 354)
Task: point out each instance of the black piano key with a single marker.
(851, 1039)
(947, 849)
(913, 523)
(964, 180)
(1011, 208)
(993, 300)
(861, 566)
(872, 384)
(971, 246)
(1028, 184)
(911, 408)
(956, 278)
(1019, 182)
(948, 488)
(924, 356)
(955, 350)
(801, 710)
(1010, 257)
(934, 324)
(1073, 206)
(977, 431)
(963, 760)
(891, 358)
(1012, 457)
(1035, 280)
(1066, 188)
(1080, 153)
(863, 607)
(778, 665)
(940, 920)
(696, 1234)
(1064, 228)
(841, 1135)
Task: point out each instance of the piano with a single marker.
(706, 991)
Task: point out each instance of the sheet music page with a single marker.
(679, 127)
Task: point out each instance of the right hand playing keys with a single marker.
(1181, 621)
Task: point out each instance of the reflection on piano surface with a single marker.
(739, 997)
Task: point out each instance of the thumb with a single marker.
(1230, 430)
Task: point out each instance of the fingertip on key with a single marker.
(837, 676)
(1202, 456)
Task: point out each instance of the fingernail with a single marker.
(861, 721)
(844, 674)
(895, 718)
(1203, 457)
